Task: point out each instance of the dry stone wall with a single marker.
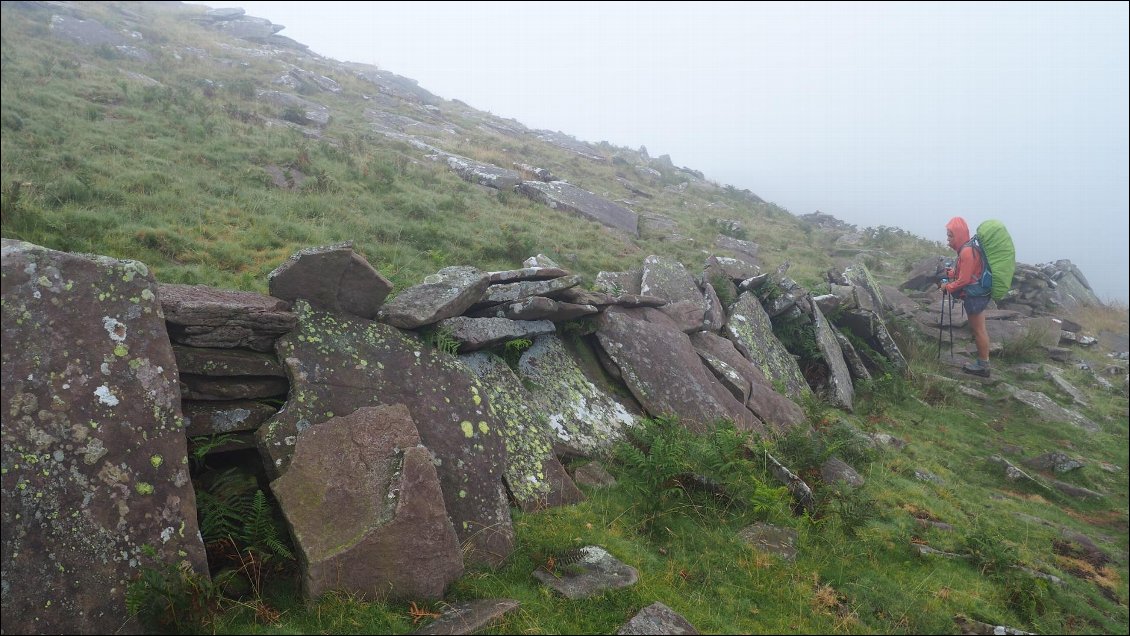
(201, 362)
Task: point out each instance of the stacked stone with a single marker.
(230, 380)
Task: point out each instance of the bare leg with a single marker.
(980, 335)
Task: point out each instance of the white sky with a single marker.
(899, 114)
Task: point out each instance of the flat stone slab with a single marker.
(536, 308)
(216, 417)
(600, 299)
(527, 273)
(560, 195)
(469, 617)
(511, 292)
(202, 316)
(772, 539)
(657, 618)
(592, 572)
(226, 362)
(202, 387)
(447, 293)
(1049, 410)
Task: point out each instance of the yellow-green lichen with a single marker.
(143, 488)
(156, 461)
(468, 428)
(121, 351)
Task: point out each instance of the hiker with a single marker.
(963, 283)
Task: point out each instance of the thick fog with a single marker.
(877, 113)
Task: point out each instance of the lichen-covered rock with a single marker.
(668, 279)
(749, 328)
(390, 535)
(860, 277)
(1047, 409)
(581, 416)
(747, 382)
(449, 292)
(535, 477)
(841, 393)
(730, 269)
(93, 456)
(333, 278)
(617, 283)
(339, 363)
(657, 618)
(469, 617)
(869, 327)
(219, 417)
(773, 539)
(591, 571)
(662, 370)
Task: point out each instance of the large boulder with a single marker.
(390, 536)
(749, 328)
(560, 195)
(660, 367)
(333, 278)
(94, 459)
(747, 383)
(583, 418)
(338, 364)
(667, 279)
(534, 476)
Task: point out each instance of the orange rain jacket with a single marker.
(969, 265)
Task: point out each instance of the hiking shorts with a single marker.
(975, 304)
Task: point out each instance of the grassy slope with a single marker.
(93, 161)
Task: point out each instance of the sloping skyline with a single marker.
(896, 114)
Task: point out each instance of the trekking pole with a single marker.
(951, 323)
(941, 323)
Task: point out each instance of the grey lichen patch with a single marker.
(751, 332)
(579, 414)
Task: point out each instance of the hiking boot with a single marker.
(978, 368)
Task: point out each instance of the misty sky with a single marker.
(877, 113)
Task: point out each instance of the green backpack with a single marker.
(999, 256)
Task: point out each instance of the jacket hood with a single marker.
(960, 233)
